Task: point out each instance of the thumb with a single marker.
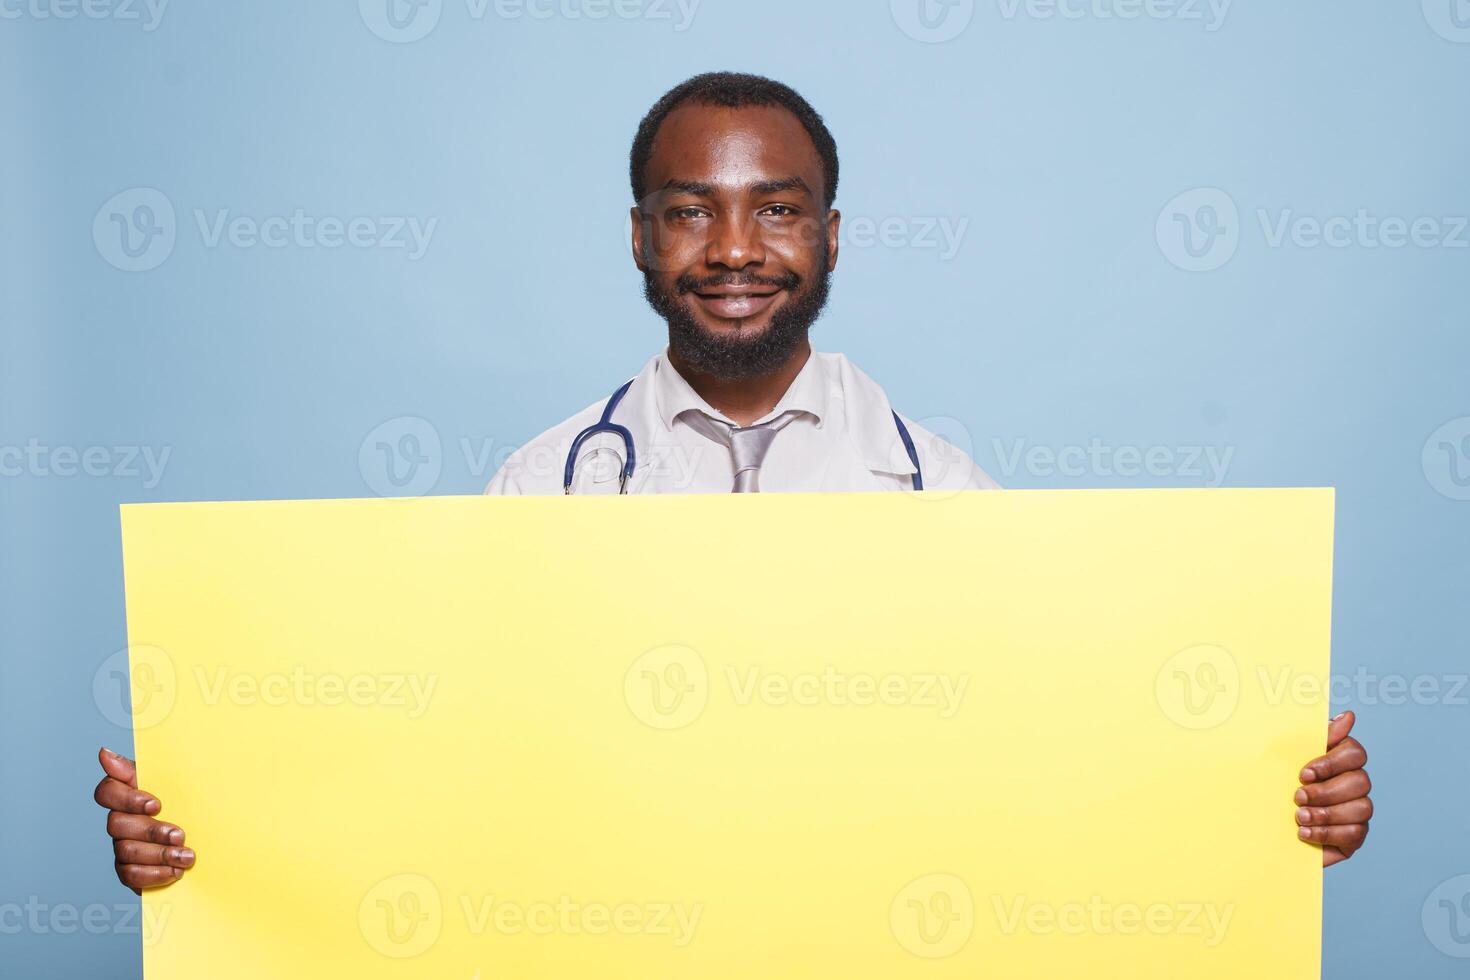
(119, 767)
(1339, 726)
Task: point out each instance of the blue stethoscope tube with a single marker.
(606, 424)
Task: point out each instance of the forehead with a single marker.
(720, 145)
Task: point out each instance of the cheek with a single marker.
(798, 246)
(667, 248)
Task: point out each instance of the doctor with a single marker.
(736, 238)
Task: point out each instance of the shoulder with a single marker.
(938, 442)
(537, 467)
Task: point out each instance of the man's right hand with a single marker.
(147, 852)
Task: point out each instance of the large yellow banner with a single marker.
(979, 735)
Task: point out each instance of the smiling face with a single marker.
(734, 239)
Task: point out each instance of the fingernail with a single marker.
(1308, 776)
(1338, 715)
(151, 807)
(1303, 815)
(186, 854)
(176, 836)
(110, 752)
(1305, 833)
(1301, 796)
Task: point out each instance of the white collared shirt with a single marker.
(841, 437)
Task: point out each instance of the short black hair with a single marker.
(733, 90)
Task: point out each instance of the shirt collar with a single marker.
(811, 391)
(829, 386)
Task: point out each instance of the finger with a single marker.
(1354, 811)
(139, 852)
(1338, 789)
(1348, 755)
(1346, 837)
(116, 795)
(138, 876)
(131, 826)
(1331, 856)
(1339, 726)
(119, 767)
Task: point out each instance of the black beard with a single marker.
(734, 357)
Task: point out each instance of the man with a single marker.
(734, 232)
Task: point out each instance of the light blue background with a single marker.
(1060, 320)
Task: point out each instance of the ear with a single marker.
(635, 216)
(834, 225)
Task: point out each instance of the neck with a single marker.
(743, 400)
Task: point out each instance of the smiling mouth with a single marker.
(735, 303)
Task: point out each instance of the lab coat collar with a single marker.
(869, 417)
(810, 391)
(829, 386)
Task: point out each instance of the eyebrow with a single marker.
(700, 189)
(784, 184)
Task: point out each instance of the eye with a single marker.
(687, 213)
(779, 210)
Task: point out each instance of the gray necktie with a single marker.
(748, 447)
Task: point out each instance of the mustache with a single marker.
(690, 284)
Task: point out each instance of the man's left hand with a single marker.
(1333, 808)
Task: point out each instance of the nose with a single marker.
(735, 243)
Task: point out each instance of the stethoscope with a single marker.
(606, 424)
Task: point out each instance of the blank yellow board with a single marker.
(982, 735)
